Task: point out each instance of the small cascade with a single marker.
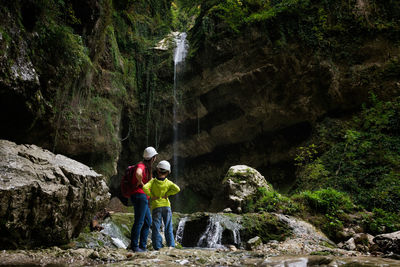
(112, 230)
(212, 237)
(179, 230)
(236, 237)
(208, 231)
(221, 230)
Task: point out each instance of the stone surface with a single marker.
(253, 243)
(241, 183)
(249, 100)
(350, 244)
(45, 199)
(179, 257)
(97, 248)
(364, 241)
(389, 243)
(305, 239)
(218, 230)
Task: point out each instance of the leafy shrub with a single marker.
(329, 209)
(381, 221)
(362, 158)
(271, 201)
(326, 201)
(306, 154)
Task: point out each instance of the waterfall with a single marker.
(214, 234)
(181, 48)
(179, 57)
(179, 231)
(212, 237)
(209, 231)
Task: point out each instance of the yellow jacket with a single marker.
(158, 189)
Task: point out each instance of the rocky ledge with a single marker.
(45, 199)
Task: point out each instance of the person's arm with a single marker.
(172, 190)
(139, 177)
(146, 188)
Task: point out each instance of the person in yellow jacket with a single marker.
(158, 189)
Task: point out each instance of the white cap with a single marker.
(164, 165)
(149, 152)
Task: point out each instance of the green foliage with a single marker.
(336, 28)
(63, 50)
(327, 201)
(5, 38)
(328, 207)
(305, 154)
(183, 15)
(231, 12)
(103, 108)
(314, 174)
(141, 25)
(381, 221)
(361, 158)
(267, 10)
(270, 201)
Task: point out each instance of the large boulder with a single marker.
(240, 184)
(389, 243)
(45, 199)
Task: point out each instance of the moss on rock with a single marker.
(265, 225)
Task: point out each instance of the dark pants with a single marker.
(142, 223)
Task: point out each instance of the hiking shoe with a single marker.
(138, 250)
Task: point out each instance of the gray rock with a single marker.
(346, 233)
(227, 210)
(350, 244)
(389, 243)
(363, 241)
(45, 199)
(253, 243)
(241, 183)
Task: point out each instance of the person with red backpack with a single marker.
(141, 175)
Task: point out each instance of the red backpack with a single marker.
(128, 181)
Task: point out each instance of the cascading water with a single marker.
(179, 57)
(219, 230)
(212, 237)
(179, 230)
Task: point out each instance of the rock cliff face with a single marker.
(45, 199)
(80, 78)
(251, 97)
(73, 72)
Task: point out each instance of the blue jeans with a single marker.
(141, 225)
(164, 214)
